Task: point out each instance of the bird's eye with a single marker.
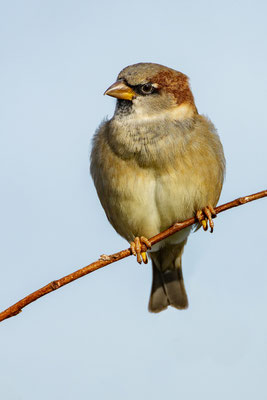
(147, 88)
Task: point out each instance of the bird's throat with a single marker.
(124, 108)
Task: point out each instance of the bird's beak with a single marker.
(120, 90)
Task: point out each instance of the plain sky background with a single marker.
(94, 339)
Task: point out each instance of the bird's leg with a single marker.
(136, 247)
(206, 215)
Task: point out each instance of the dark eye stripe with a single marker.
(143, 89)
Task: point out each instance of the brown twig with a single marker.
(105, 260)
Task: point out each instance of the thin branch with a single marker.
(105, 260)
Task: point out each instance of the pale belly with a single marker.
(144, 204)
(142, 197)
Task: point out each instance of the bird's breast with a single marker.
(147, 185)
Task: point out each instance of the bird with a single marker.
(157, 161)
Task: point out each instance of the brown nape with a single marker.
(176, 83)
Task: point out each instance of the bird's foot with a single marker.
(136, 248)
(206, 216)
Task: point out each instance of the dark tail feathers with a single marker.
(167, 285)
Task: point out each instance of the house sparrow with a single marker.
(154, 163)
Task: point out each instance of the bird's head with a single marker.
(147, 90)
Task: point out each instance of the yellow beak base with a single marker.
(120, 90)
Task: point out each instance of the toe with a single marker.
(132, 246)
(208, 214)
(138, 249)
(213, 212)
(204, 224)
(144, 240)
(202, 219)
(144, 257)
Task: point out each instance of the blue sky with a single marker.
(95, 337)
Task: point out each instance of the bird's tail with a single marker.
(168, 284)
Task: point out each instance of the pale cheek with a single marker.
(184, 111)
(145, 110)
